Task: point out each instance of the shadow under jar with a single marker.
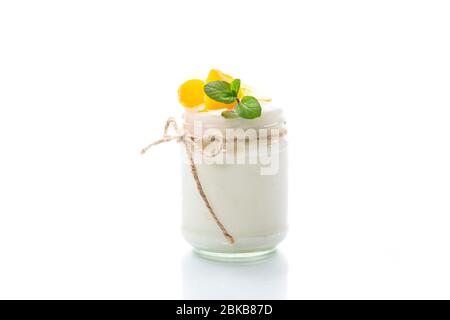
(244, 181)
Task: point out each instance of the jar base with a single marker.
(235, 257)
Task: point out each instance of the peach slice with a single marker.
(215, 75)
(210, 104)
(191, 94)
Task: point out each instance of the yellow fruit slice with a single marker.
(210, 104)
(191, 94)
(249, 91)
(215, 75)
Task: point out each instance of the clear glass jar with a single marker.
(244, 181)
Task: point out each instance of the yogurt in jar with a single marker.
(248, 194)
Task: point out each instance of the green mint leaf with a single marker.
(235, 86)
(230, 114)
(248, 108)
(220, 91)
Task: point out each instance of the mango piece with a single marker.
(250, 91)
(215, 75)
(191, 94)
(210, 104)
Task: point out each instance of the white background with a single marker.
(84, 85)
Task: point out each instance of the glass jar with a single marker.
(234, 184)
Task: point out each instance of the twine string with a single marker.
(189, 142)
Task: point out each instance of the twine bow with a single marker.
(188, 141)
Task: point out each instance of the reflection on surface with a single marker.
(205, 279)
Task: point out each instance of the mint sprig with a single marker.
(230, 114)
(248, 107)
(220, 91)
(235, 86)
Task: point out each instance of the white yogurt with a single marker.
(251, 206)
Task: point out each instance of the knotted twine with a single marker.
(188, 141)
